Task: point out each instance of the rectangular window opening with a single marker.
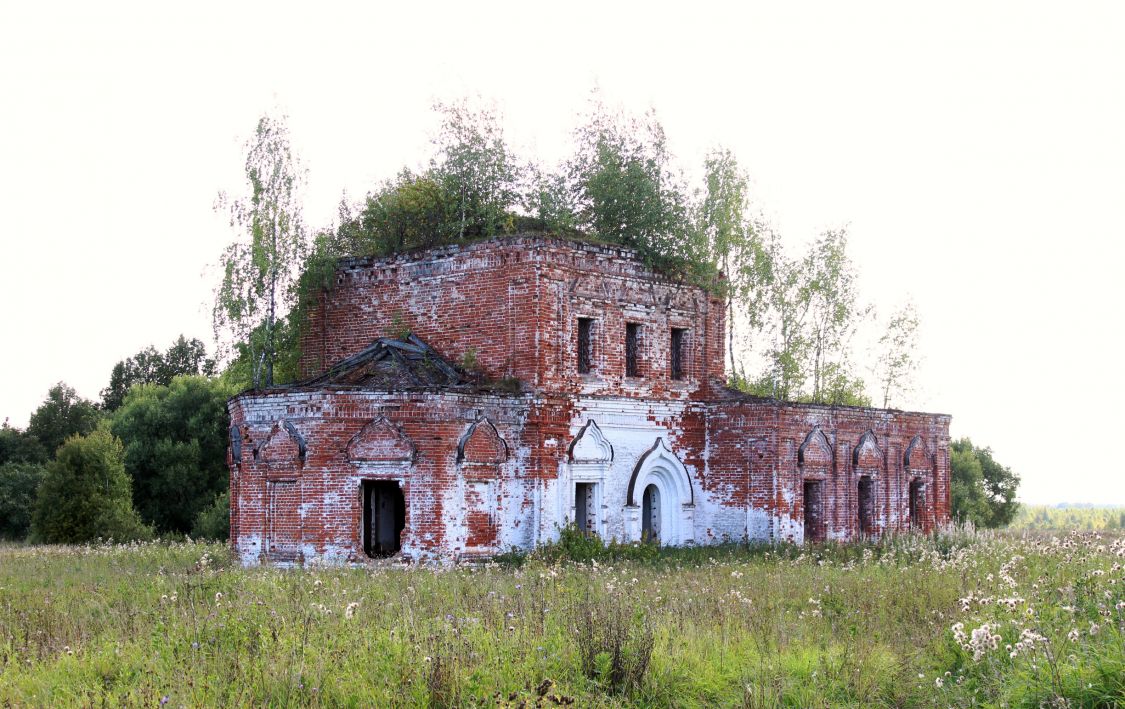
(632, 349)
(679, 336)
(585, 345)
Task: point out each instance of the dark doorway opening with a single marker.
(915, 503)
(866, 506)
(650, 514)
(584, 518)
(814, 511)
(384, 517)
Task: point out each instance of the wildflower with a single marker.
(349, 612)
(1094, 628)
(939, 682)
(1072, 636)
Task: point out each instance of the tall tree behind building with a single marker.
(260, 268)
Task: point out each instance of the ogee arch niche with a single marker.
(661, 498)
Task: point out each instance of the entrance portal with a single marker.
(384, 517)
(650, 514)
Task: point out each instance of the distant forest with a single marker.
(1068, 517)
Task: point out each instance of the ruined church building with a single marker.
(545, 383)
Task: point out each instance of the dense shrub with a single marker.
(19, 483)
(85, 494)
(214, 521)
(175, 442)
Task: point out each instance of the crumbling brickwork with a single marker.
(388, 447)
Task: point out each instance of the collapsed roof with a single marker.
(393, 363)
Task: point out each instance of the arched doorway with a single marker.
(650, 514)
(659, 501)
(384, 517)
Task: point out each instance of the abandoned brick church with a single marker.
(543, 383)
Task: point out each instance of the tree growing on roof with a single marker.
(260, 268)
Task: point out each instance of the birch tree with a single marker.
(260, 267)
(897, 359)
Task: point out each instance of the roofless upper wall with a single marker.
(558, 315)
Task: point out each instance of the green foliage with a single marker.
(213, 521)
(239, 373)
(63, 414)
(149, 366)
(260, 269)
(809, 311)
(18, 446)
(982, 491)
(85, 494)
(733, 245)
(469, 190)
(625, 191)
(175, 441)
(575, 545)
(476, 171)
(19, 483)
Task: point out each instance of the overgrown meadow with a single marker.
(957, 619)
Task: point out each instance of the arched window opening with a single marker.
(650, 515)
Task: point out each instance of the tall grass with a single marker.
(831, 625)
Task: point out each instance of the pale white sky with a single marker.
(976, 151)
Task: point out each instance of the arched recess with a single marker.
(868, 463)
(480, 453)
(482, 445)
(590, 445)
(867, 455)
(380, 441)
(917, 457)
(921, 483)
(814, 463)
(589, 457)
(285, 447)
(658, 466)
(815, 453)
(235, 435)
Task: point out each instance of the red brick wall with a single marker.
(514, 302)
(480, 473)
(755, 446)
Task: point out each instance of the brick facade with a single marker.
(340, 471)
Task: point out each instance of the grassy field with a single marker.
(958, 619)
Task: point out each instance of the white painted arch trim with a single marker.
(660, 467)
